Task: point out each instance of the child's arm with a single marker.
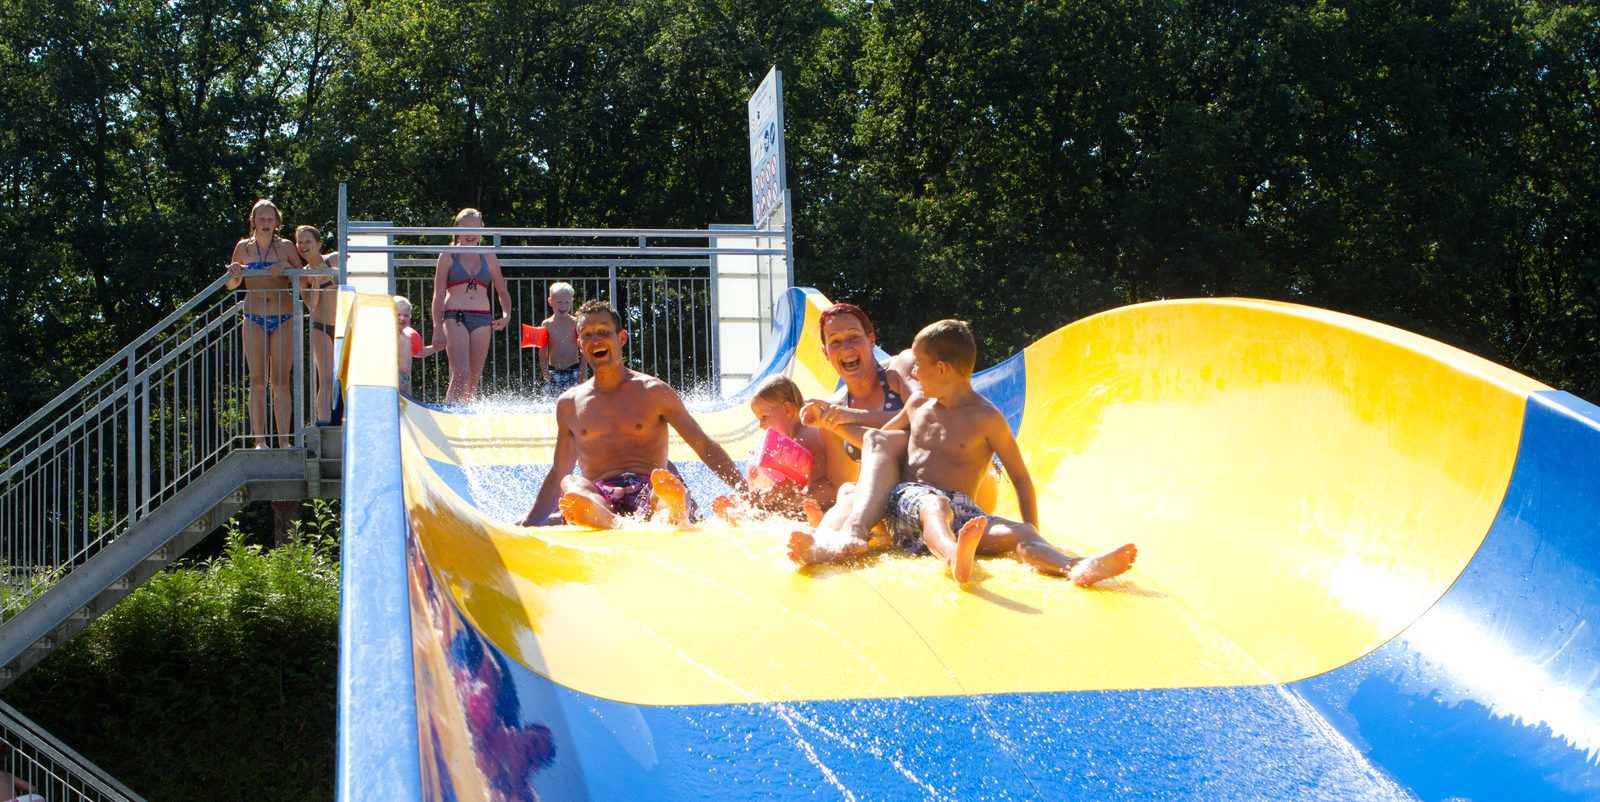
(849, 425)
(818, 488)
(998, 433)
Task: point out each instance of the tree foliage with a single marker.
(1020, 163)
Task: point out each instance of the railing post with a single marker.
(144, 439)
(344, 235)
(133, 440)
(711, 326)
(297, 374)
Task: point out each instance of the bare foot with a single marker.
(1090, 570)
(723, 507)
(967, 549)
(813, 511)
(800, 547)
(822, 546)
(583, 511)
(673, 495)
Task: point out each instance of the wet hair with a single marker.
(843, 309)
(315, 232)
(595, 306)
(402, 304)
(780, 390)
(259, 205)
(560, 286)
(949, 341)
(462, 215)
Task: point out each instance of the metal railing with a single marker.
(666, 306)
(666, 293)
(34, 762)
(137, 430)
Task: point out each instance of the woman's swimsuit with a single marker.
(268, 323)
(473, 319)
(892, 402)
(261, 263)
(325, 328)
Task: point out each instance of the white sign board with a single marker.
(767, 179)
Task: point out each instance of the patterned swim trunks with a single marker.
(562, 380)
(905, 513)
(627, 493)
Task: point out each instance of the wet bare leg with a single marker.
(882, 454)
(1090, 570)
(672, 496)
(957, 549)
(1031, 548)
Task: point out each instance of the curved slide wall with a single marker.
(1367, 571)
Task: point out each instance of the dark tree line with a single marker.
(1431, 164)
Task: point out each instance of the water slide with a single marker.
(1367, 571)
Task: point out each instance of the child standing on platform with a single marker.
(410, 344)
(562, 368)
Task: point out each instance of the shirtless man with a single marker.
(614, 428)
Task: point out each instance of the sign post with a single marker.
(768, 179)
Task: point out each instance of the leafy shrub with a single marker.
(210, 682)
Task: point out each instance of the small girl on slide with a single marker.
(776, 405)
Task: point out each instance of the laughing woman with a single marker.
(462, 311)
(321, 296)
(258, 264)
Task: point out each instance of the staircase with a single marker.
(127, 470)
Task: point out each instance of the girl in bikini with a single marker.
(461, 306)
(321, 296)
(257, 265)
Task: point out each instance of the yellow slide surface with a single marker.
(1301, 485)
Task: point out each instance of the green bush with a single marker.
(210, 682)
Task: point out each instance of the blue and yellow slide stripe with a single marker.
(1367, 571)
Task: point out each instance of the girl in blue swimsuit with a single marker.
(258, 266)
(462, 311)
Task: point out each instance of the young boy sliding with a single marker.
(776, 405)
(563, 370)
(954, 433)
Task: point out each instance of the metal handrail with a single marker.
(142, 426)
(53, 770)
(662, 233)
(671, 313)
(119, 359)
(593, 250)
